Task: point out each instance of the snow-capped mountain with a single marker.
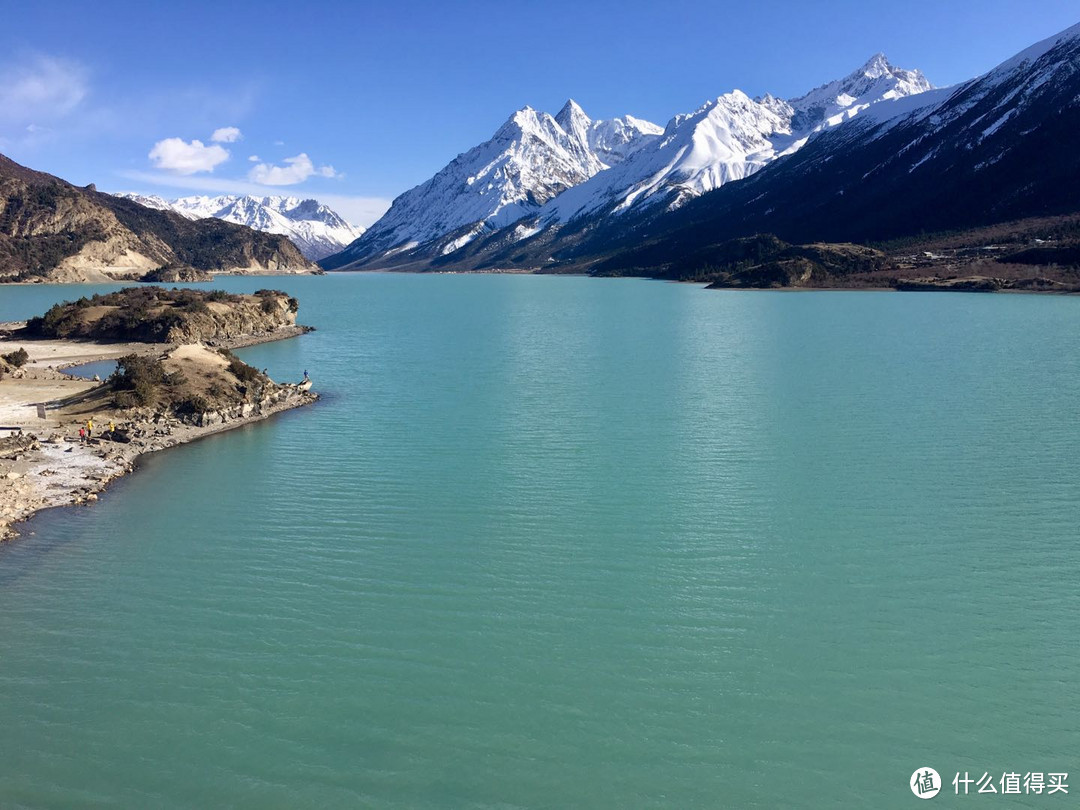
(541, 171)
(532, 158)
(149, 200)
(1000, 146)
(314, 228)
(728, 139)
(877, 80)
(992, 150)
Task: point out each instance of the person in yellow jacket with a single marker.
(89, 429)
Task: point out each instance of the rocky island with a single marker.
(64, 438)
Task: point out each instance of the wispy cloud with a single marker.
(47, 97)
(226, 135)
(358, 209)
(40, 89)
(37, 94)
(176, 155)
(296, 170)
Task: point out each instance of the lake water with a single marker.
(99, 368)
(568, 542)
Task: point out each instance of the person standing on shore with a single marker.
(82, 435)
(89, 429)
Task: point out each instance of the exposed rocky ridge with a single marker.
(53, 231)
(176, 274)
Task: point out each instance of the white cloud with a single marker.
(41, 89)
(279, 143)
(174, 154)
(361, 210)
(226, 135)
(296, 170)
(254, 158)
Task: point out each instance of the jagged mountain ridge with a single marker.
(316, 229)
(730, 138)
(53, 231)
(997, 148)
(726, 139)
(994, 149)
(532, 157)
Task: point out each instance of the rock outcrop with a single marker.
(158, 315)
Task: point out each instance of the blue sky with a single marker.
(354, 103)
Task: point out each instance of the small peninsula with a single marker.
(64, 438)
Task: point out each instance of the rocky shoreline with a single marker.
(44, 462)
(43, 471)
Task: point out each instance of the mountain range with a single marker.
(316, 229)
(540, 171)
(879, 158)
(995, 149)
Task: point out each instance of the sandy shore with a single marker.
(46, 465)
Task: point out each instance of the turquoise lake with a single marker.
(568, 542)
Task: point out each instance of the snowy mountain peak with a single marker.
(615, 139)
(571, 114)
(831, 103)
(531, 158)
(725, 139)
(317, 230)
(877, 65)
(574, 122)
(522, 120)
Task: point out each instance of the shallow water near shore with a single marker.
(99, 368)
(570, 542)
